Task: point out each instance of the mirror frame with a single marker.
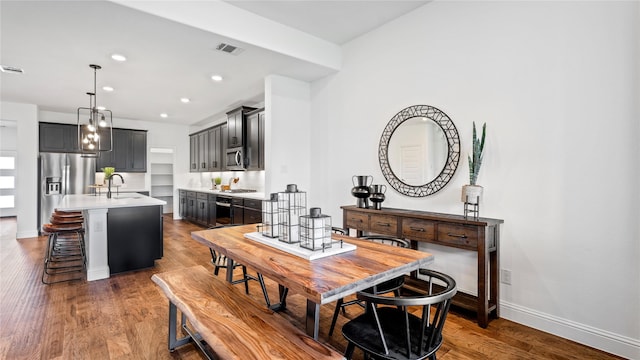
(453, 150)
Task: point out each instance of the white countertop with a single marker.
(88, 202)
(248, 195)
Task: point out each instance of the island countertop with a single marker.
(87, 202)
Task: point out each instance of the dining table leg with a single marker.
(313, 319)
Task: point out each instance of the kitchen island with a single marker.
(123, 233)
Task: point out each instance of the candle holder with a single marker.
(291, 205)
(270, 216)
(315, 230)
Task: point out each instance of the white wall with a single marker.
(557, 84)
(287, 134)
(26, 117)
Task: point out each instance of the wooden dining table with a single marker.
(320, 281)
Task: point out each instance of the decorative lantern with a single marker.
(270, 215)
(315, 230)
(291, 205)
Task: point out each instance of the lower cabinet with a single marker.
(134, 236)
(237, 211)
(252, 211)
(201, 208)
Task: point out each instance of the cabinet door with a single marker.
(193, 153)
(120, 149)
(191, 206)
(202, 211)
(203, 152)
(214, 150)
(137, 156)
(223, 146)
(182, 207)
(212, 210)
(58, 138)
(235, 128)
(254, 159)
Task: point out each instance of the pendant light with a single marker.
(95, 126)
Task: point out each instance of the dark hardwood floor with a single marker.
(125, 316)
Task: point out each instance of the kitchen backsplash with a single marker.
(248, 179)
(132, 181)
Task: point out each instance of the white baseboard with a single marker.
(581, 333)
(26, 234)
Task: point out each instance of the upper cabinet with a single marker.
(129, 152)
(205, 149)
(254, 158)
(58, 138)
(236, 126)
(208, 148)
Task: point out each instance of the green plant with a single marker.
(218, 180)
(108, 171)
(475, 159)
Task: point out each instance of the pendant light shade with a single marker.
(95, 127)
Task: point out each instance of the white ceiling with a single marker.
(55, 41)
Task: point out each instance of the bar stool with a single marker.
(65, 251)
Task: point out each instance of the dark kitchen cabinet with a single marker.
(212, 210)
(255, 123)
(203, 151)
(128, 154)
(214, 149)
(58, 138)
(237, 211)
(206, 148)
(182, 205)
(193, 153)
(135, 238)
(252, 211)
(235, 126)
(191, 206)
(202, 209)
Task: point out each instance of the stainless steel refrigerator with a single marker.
(61, 174)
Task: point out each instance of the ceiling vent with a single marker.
(11, 69)
(229, 49)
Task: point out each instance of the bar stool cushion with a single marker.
(52, 228)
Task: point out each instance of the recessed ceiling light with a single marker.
(164, 115)
(216, 78)
(118, 57)
(185, 100)
(107, 88)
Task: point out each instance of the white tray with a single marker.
(297, 250)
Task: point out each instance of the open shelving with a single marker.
(162, 176)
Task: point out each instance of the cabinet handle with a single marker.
(463, 236)
(417, 229)
(354, 219)
(384, 224)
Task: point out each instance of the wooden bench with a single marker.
(232, 324)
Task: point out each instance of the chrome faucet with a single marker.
(111, 177)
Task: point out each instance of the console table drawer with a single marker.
(418, 229)
(384, 224)
(357, 221)
(465, 237)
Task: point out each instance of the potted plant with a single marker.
(108, 171)
(472, 193)
(216, 182)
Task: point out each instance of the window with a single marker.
(7, 183)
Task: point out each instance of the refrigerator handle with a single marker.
(65, 175)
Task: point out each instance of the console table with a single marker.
(481, 236)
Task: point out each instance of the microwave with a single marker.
(235, 159)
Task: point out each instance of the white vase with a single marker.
(471, 194)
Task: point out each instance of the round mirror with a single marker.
(419, 150)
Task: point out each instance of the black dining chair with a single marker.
(388, 286)
(220, 262)
(390, 329)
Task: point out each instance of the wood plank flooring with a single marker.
(125, 316)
